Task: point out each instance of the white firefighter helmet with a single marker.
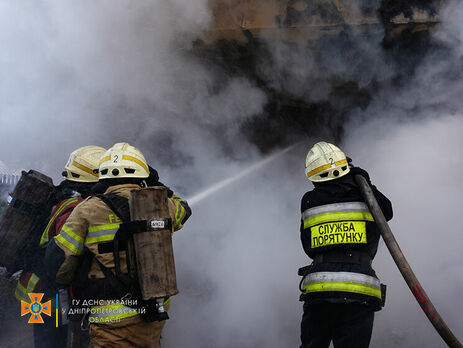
(325, 162)
(82, 165)
(123, 161)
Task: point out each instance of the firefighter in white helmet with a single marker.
(80, 174)
(88, 236)
(340, 289)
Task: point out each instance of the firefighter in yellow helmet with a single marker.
(80, 173)
(340, 289)
(87, 253)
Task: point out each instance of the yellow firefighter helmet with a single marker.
(325, 162)
(123, 161)
(82, 165)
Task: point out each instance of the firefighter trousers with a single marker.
(141, 334)
(347, 325)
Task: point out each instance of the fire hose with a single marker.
(404, 268)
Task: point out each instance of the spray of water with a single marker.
(228, 181)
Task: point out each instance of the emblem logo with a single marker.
(36, 308)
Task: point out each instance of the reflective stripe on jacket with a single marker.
(339, 233)
(28, 283)
(342, 282)
(60, 212)
(182, 212)
(336, 223)
(92, 223)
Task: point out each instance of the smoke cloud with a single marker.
(79, 73)
(410, 139)
(412, 163)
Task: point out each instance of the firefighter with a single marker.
(340, 289)
(80, 173)
(84, 251)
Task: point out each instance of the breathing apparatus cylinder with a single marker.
(22, 221)
(153, 250)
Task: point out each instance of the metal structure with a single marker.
(8, 177)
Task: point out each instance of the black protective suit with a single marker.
(340, 289)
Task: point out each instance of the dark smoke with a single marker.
(392, 8)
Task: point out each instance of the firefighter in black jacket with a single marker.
(340, 289)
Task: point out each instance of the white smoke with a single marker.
(412, 164)
(79, 73)
(410, 139)
(76, 73)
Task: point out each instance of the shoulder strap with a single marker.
(120, 283)
(118, 204)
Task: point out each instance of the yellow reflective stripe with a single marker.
(102, 233)
(103, 227)
(105, 238)
(182, 212)
(71, 233)
(136, 160)
(21, 287)
(104, 159)
(32, 283)
(319, 169)
(44, 238)
(178, 217)
(179, 213)
(21, 294)
(338, 216)
(334, 208)
(326, 166)
(70, 240)
(176, 221)
(343, 286)
(116, 311)
(101, 236)
(175, 197)
(84, 168)
(177, 226)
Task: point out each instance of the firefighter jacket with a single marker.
(339, 233)
(93, 223)
(29, 282)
